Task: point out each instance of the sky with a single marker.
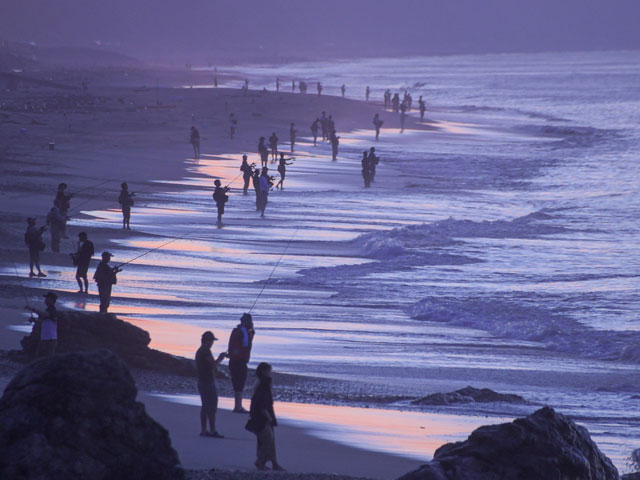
(196, 30)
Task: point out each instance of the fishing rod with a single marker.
(274, 269)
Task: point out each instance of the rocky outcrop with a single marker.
(468, 395)
(545, 445)
(81, 331)
(76, 416)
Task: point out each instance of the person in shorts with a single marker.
(240, 343)
(207, 367)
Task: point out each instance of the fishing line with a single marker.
(274, 268)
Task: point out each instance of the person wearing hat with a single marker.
(220, 197)
(33, 239)
(82, 259)
(105, 277)
(48, 323)
(207, 368)
(240, 343)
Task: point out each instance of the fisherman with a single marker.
(273, 144)
(82, 259)
(220, 197)
(292, 135)
(125, 199)
(423, 107)
(105, 276)
(377, 123)
(233, 123)
(395, 102)
(319, 88)
(282, 169)
(265, 186)
(323, 126)
(47, 322)
(63, 202)
(239, 350)
(403, 116)
(367, 92)
(343, 89)
(366, 170)
(246, 170)
(194, 139)
(373, 162)
(33, 239)
(55, 222)
(335, 141)
(256, 187)
(315, 126)
(263, 152)
(207, 368)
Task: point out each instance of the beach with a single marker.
(378, 296)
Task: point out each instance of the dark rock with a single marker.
(468, 395)
(81, 331)
(76, 416)
(631, 476)
(545, 445)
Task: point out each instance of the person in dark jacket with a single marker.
(33, 239)
(82, 258)
(220, 197)
(240, 343)
(263, 419)
(207, 368)
(105, 277)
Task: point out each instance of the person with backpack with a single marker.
(220, 197)
(82, 259)
(240, 343)
(33, 239)
(125, 199)
(246, 170)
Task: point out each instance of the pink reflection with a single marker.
(182, 245)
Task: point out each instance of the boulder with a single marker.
(468, 395)
(545, 445)
(76, 416)
(81, 331)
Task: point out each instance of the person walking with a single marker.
(47, 323)
(125, 199)
(207, 368)
(82, 259)
(33, 239)
(240, 343)
(265, 186)
(263, 152)
(377, 124)
(282, 169)
(194, 139)
(106, 277)
(246, 170)
(315, 126)
(256, 186)
(273, 144)
(292, 135)
(220, 197)
(55, 222)
(263, 419)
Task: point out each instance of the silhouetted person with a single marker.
(335, 141)
(292, 135)
(256, 186)
(373, 162)
(125, 199)
(403, 115)
(82, 259)
(377, 123)
(263, 419)
(106, 277)
(220, 197)
(366, 170)
(47, 322)
(207, 368)
(423, 107)
(273, 144)
(319, 88)
(194, 139)
(246, 84)
(315, 126)
(277, 84)
(282, 170)
(395, 102)
(387, 99)
(246, 170)
(233, 123)
(63, 202)
(265, 186)
(263, 152)
(367, 92)
(55, 222)
(33, 239)
(239, 350)
(343, 89)
(293, 85)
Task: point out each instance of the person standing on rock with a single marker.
(207, 368)
(240, 343)
(33, 239)
(263, 419)
(106, 277)
(48, 323)
(82, 258)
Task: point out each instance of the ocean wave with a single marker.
(569, 135)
